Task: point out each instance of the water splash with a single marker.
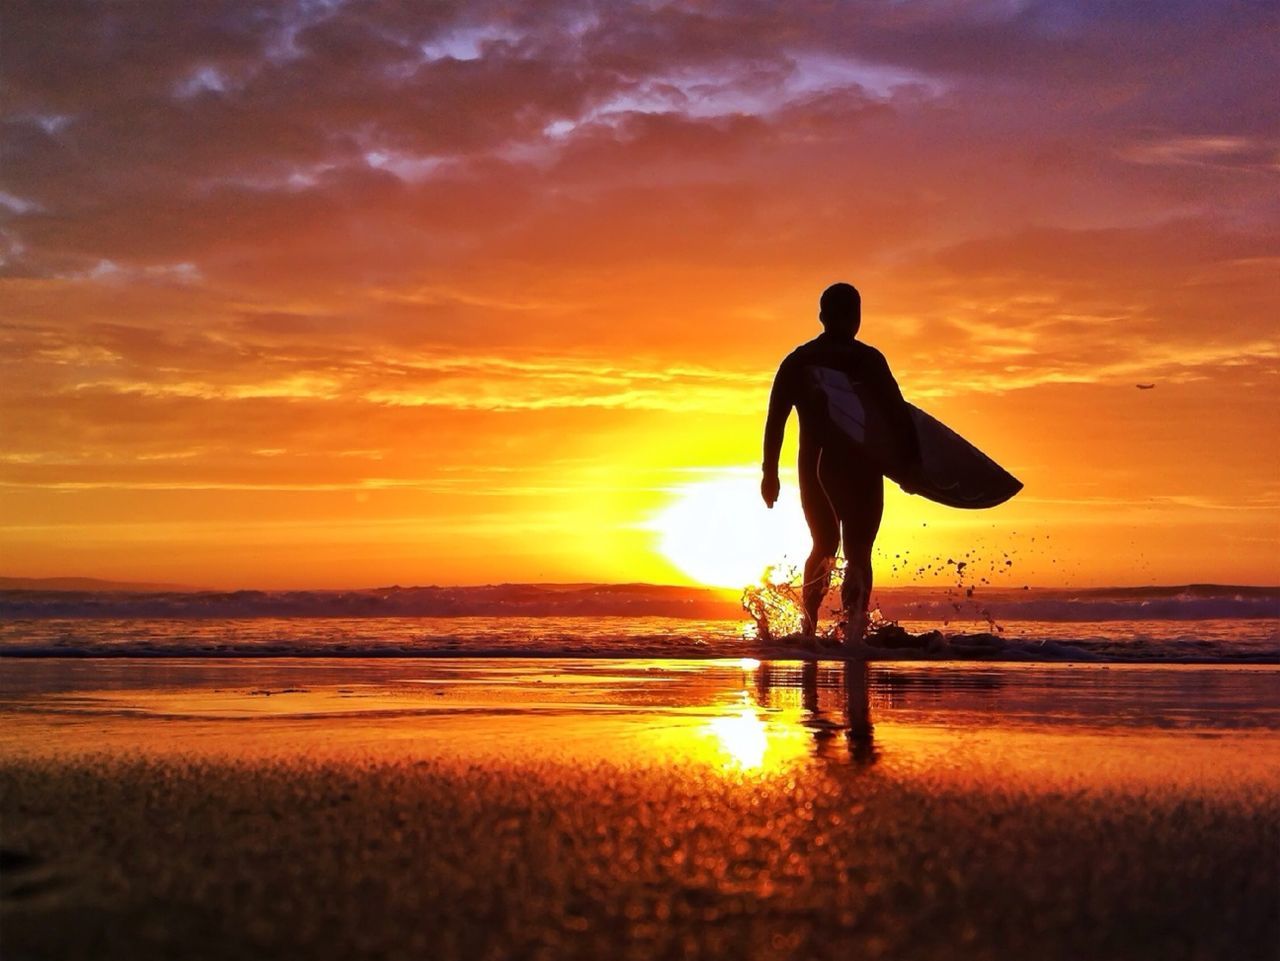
(776, 605)
(966, 576)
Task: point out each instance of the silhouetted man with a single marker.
(842, 493)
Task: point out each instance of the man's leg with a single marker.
(855, 593)
(856, 492)
(824, 528)
(817, 578)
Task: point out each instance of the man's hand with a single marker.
(769, 487)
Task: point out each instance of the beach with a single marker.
(723, 480)
(504, 808)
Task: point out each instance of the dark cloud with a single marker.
(156, 133)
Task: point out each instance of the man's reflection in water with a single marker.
(857, 701)
(829, 719)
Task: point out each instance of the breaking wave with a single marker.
(945, 605)
(1199, 623)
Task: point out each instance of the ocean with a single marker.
(1186, 624)
(628, 771)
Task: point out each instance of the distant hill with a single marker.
(88, 584)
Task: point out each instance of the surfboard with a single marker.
(953, 471)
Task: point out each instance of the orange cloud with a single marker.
(494, 268)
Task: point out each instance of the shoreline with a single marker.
(885, 656)
(584, 808)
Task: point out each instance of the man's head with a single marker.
(840, 309)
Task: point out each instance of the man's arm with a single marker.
(781, 400)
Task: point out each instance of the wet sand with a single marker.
(637, 809)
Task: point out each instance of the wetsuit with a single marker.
(841, 492)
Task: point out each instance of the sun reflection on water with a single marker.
(743, 736)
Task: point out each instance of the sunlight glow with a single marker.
(742, 736)
(719, 533)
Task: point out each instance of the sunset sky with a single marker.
(322, 294)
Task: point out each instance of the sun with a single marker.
(718, 532)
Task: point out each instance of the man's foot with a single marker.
(858, 627)
(853, 629)
(856, 647)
